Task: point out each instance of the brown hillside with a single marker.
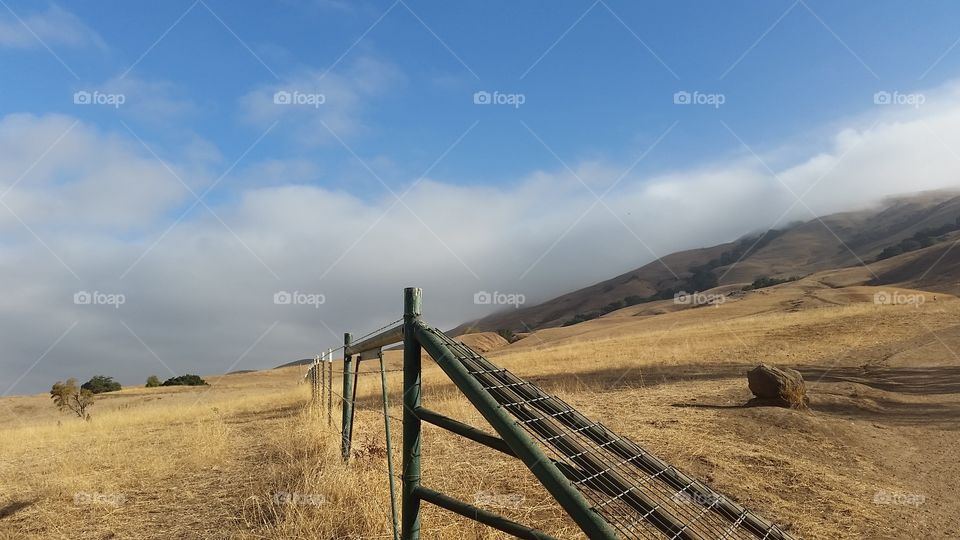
(848, 239)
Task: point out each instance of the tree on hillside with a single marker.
(507, 334)
(100, 384)
(702, 280)
(67, 397)
(153, 381)
(185, 380)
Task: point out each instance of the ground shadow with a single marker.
(886, 411)
(709, 406)
(13, 508)
(913, 380)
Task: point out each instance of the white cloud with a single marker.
(156, 102)
(65, 174)
(337, 98)
(55, 26)
(203, 293)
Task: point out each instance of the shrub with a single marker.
(581, 317)
(153, 381)
(100, 384)
(888, 252)
(185, 380)
(67, 397)
(507, 334)
(612, 306)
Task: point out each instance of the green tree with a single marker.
(67, 397)
(185, 380)
(153, 381)
(100, 384)
(702, 280)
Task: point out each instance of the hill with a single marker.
(835, 241)
(302, 362)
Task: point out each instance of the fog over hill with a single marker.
(199, 295)
(840, 240)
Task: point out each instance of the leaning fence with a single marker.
(607, 484)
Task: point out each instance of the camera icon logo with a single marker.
(482, 98)
(482, 298)
(882, 98)
(282, 298)
(82, 98)
(82, 298)
(682, 98)
(882, 298)
(282, 97)
(682, 298)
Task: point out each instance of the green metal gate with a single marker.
(608, 485)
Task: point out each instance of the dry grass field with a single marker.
(246, 458)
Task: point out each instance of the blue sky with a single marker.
(193, 190)
(598, 78)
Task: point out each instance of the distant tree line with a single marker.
(921, 239)
(68, 397)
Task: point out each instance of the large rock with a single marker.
(779, 387)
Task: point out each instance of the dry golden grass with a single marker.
(248, 458)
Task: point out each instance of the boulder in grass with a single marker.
(777, 387)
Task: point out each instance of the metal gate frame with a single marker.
(556, 477)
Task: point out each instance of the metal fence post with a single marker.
(410, 518)
(347, 400)
(314, 388)
(319, 366)
(329, 368)
(386, 428)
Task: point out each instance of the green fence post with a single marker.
(410, 518)
(329, 369)
(347, 400)
(386, 428)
